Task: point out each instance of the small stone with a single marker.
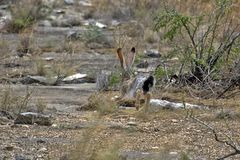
(115, 23)
(31, 118)
(48, 58)
(74, 77)
(101, 25)
(152, 53)
(25, 126)
(9, 148)
(114, 98)
(19, 157)
(103, 80)
(173, 153)
(143, 64)
(45, 23)
(132, 123)
(85, 3)
(59, 11)
(41, 141)
(174, 120)
(54, 125)
(132, 119)
(69, 2)
(42, 149)
(73, 35)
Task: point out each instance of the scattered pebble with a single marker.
(132, 123)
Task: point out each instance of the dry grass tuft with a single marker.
(102, 103)
(11, 102)
(25, 13)
(41, 105)
(91, 147)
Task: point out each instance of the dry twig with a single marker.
(229, 142)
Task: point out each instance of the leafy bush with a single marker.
(159, 73)
(203, 41)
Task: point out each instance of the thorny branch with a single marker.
(230, 142)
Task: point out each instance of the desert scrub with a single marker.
(92, 34)
(102, 103)
(25, 13)
(5, 49)
(88, 147)
(40, 66)
(13, 103)
(52, 69)
(159, 73)
(41, 105)
(202, 57)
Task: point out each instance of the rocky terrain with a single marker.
(48, 75)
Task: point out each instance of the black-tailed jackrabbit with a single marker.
(126, 66)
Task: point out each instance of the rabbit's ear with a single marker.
(133, 49)
(121, 57)
(131, 57)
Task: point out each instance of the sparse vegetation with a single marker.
(201, 55)
(92, 34)
(13, 103)
(88, 148)
(40, 67)
(5, 49)
(41, 105)
(199, 63)
(25, 13)
(50, 70)
(101, 103)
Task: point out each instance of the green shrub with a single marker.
(202, 56)
(92, 34)
(115, 79)
(159, 73)
(184, 156)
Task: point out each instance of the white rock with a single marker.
(42, 149)
(54, 125)
(75, 76)
(174, 120)
(45, 23)
(173, 153)
(85, 3)
(101, 25)
(48, 58)
(115, 23)
(132, 123)
(164, 103)
(114, 98)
